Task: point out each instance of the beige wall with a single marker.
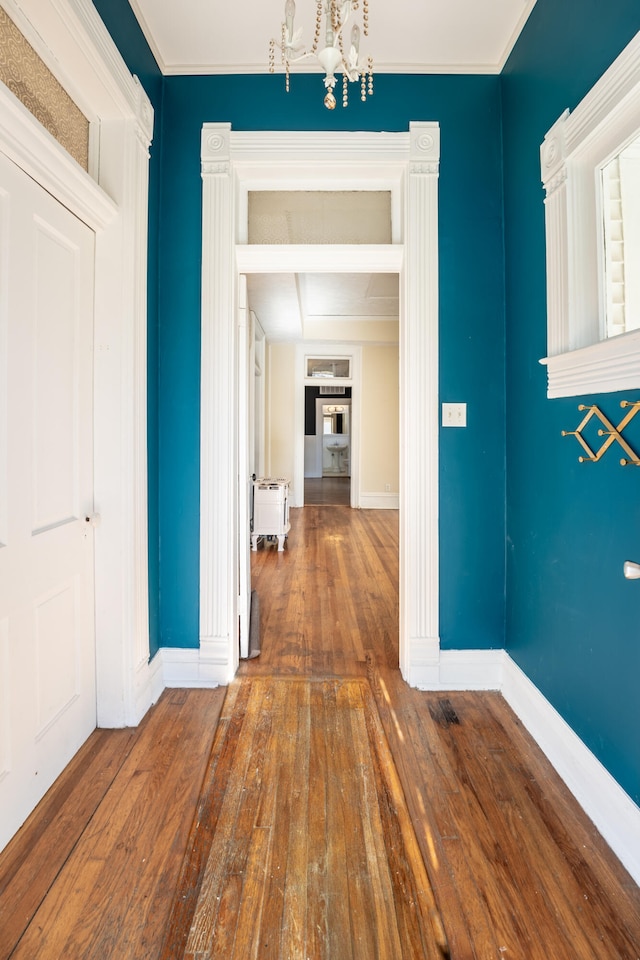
(280, 413)
(379, 439)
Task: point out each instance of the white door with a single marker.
(47, 634)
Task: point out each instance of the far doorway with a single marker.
(328, 444)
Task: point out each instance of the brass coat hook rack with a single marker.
(612, 433)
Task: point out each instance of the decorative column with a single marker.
(419, 404)
(218, 504)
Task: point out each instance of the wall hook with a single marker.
(613, 434)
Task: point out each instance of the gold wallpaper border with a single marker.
(31, 81)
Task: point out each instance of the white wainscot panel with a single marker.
(57, 653)
(56, 380)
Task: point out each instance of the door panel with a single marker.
(58, 377)
(47, 636)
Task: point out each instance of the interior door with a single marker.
(47, 634)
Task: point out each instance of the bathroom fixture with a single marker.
(631, 570)
(336, 54)
(336, 450)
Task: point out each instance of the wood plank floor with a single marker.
(516, 869)
(313, 852)
(327, 490)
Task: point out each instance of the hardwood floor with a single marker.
(306, 859)
(331, 491)
(516, 869)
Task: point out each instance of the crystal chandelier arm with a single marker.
(333, 16)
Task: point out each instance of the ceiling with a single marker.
(406, 36)
(354, 307)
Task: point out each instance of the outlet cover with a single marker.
(454, 414)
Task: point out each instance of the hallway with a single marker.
(101, 868)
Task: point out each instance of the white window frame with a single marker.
(579, 361)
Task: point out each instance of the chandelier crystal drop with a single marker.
(336, 55)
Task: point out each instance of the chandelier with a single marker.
(335, 55)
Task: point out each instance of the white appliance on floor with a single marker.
(270, 510)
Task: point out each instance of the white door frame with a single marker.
(233, 163)
(69, 35)
(320, 403)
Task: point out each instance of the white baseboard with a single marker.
(186, 668)
(459, 670)
(604, 801)
(156, 678)
(379, 501)
(611, 809)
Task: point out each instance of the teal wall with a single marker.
(471, 322)
(573, 622)
(569, 618)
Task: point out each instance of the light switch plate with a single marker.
(454, 414)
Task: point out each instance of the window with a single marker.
(588, 159)
(328, 368)
(620, 192)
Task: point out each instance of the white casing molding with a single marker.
(419, 401)
(611, 809)
(580, 358)
(73, 42)
(218, 655)
(234, 163)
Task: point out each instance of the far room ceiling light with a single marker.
(337, 54)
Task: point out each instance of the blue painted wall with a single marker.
(573, 622)
(471, 322)
(571, 619)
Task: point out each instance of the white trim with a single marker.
(187, 668)
(603, 367)
(419, 409)
(611, 809)
(580, 359)
(72, 40)
(233, 163)
(219, 549)
(323, 258)
(379, 501)
(34, 150)
(459, 669)
(400, 66)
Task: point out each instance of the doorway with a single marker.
(328, 430)
(407, 165)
